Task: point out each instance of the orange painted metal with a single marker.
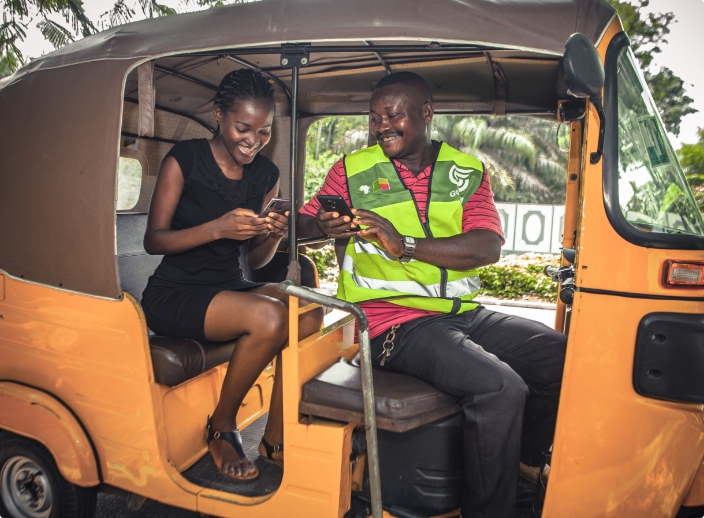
(616, 453)
(574, 179)
(35, 414)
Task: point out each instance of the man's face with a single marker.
(399, 119)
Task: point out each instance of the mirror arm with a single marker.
(596, 155)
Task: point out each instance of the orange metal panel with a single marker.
(616, 453)
(93, 355)
(39, 416)
(696, 490)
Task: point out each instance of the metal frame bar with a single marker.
(367, 381)
(313, 49)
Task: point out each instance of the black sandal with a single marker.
(234, 439)
(269, 451)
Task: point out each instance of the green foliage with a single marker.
(326, 263)
(519, 277)
(692, 159)
(521, 154)
(17, 14)
(327, 140)
(647, 33)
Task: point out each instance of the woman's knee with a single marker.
(270, 321)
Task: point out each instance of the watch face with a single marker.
(409, 240)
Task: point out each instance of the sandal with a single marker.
(234, 439)
(269, 451)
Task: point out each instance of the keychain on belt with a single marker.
(390, 337)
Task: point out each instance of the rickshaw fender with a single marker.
(37, 415)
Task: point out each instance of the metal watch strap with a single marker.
(409, 246)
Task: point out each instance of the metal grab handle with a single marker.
(367, 381)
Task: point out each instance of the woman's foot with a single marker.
(272, 453)
(228, 454)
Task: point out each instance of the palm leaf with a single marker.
(57, 35)
(119, 14)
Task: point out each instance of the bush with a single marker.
(520, 277)
(326, 262)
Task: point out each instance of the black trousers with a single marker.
(505, 372)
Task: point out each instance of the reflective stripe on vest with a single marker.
(369, 273)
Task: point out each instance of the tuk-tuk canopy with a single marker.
(63, 113)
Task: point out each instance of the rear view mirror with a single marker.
(584, 72)
(584, 75)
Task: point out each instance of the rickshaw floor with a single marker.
(205, 474)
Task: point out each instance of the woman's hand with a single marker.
(277, 223)
(241, 224)
(380, 230)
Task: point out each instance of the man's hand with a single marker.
(335, 226)
(380, 230)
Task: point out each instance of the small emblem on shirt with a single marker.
(460, 177)
(364, 189)
(382, 184)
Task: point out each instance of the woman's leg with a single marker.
(261, 323)
(309, 323)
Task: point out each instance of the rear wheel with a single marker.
(32, 487)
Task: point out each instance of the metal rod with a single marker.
(267, 74)
(292, 248)
(433, 47)
(381, 59)
(367, 381)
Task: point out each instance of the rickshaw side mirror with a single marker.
(583, 74)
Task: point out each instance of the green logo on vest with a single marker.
(382, 184)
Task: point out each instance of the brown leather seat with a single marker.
(176, 360)
(402, 402)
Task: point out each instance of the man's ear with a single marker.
(428, 111)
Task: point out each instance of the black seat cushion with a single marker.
(176, 360)
(402, 402)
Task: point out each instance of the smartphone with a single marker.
(335, 204)
(278, 205)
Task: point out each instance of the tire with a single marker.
(32, 487)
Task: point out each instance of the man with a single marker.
(425, 220)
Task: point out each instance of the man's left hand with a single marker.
(380, 230)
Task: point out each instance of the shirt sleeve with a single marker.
(183, 153)
(480, 212)
(273, 176)
(335, 185)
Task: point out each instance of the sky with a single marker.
(677, 54)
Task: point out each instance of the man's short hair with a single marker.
(410, 80)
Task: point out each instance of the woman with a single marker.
(205, 206)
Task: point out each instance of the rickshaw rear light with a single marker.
(684, 274)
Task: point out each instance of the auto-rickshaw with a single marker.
(91, 401)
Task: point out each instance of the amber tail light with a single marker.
(680, 274)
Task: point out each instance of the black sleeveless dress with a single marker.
(179, 292)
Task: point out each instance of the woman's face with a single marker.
(246, 128)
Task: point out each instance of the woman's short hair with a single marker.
(240, 85)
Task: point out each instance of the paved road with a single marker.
(112, 506)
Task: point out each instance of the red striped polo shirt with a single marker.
(479, 214)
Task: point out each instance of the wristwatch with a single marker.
(409, 246)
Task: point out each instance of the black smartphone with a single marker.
(278, 205)
(335, 204)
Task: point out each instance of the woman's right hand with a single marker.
(240, 224)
